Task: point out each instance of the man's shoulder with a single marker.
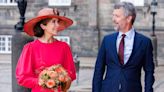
(111, 36)
(143, 37)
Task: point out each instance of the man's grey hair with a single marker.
(129, 9)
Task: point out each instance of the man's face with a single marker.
(120, 21)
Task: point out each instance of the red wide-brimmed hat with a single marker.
(44, 14)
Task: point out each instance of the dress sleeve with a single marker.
(24, 70)
(69, 63)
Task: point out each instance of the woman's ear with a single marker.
(43, 26)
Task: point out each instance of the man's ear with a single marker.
(42, 26)
(129, 19)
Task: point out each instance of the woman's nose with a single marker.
(57, 23)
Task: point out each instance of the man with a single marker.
(122, 56)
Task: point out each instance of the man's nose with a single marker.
(113, 19)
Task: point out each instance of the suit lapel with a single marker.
(136, 45)
(114, 48)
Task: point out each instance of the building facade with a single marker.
(92, 20)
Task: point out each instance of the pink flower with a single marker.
(53, 74)
(50, 83)
(43, 72)
(61, 78)
(41, 82)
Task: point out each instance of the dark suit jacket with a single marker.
(109, 73)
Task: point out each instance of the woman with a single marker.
(45, 51)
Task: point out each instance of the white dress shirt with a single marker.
(128, 45)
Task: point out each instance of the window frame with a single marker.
(8, 3)
(7, 46)
(63, 39)
(55, 3)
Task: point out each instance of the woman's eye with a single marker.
(58, 21)
(54, 21)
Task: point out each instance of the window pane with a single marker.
(9, 49)
(9, 39)
(1, 1)
(3, 44)
(3, 49)
(9, 44)
(12, 1)
(3, 39)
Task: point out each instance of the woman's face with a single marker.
(51, 27)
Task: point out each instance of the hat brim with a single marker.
(63, 23)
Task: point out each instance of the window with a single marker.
(59, 2)
(5, 43)
(63, 38)
(135, 2)
(8, 2)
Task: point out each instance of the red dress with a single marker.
(36, 56)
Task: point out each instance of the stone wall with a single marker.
(84, 42)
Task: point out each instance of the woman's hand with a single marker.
(67, 85)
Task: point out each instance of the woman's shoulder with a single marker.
(30, 44)
(63, 44)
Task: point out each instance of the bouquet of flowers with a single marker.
(53, 77)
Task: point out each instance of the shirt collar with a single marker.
(128, 34)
